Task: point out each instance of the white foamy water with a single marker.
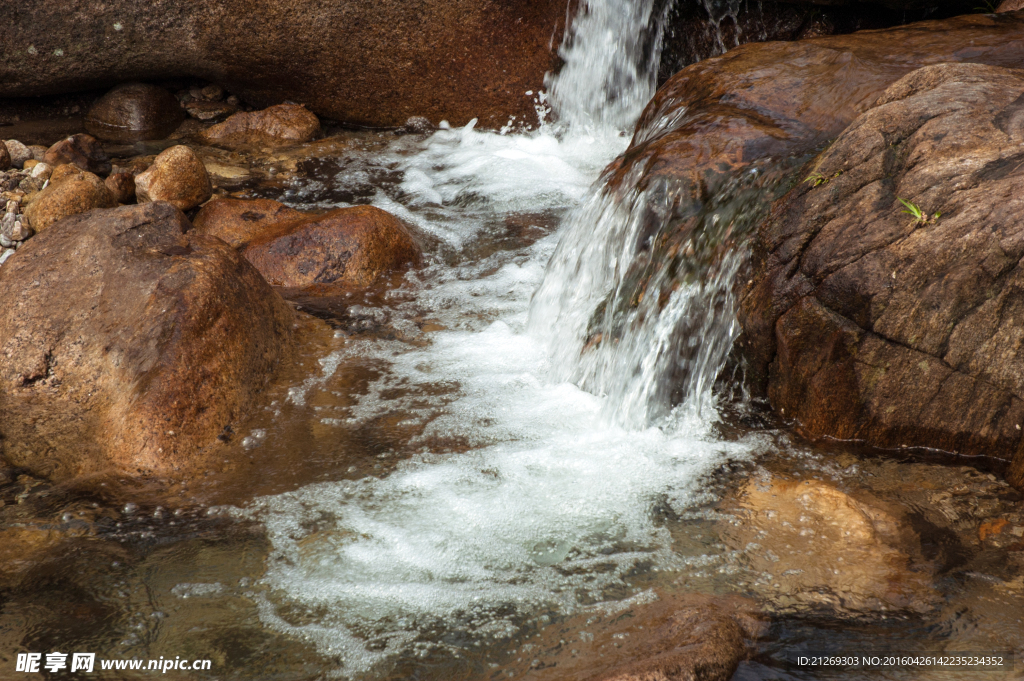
(548, 504)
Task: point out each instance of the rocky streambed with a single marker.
(439, 402)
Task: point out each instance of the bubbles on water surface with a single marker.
(549, 505)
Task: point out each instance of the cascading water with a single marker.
(545, 504)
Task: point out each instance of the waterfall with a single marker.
(543, 504)
(637, 304)
(610, 70)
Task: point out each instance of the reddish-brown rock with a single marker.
(371, 63)
(347, 247)
(121, 186)
(71, 191)
(681, 636)
(779, 99)
(133, 346)
(239, 221)
(272, 127)
(176, 176)
(133, 112)
(80, 150)
(864, 323)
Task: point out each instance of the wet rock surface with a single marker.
(783, 99)
(71, 191)
(176, 176)
(818, 549)
(372, 64)
(134, 111)
(239, 221)
(278, 125)
(867, 323)
(80, 150)
(136, 345)
(347, 247)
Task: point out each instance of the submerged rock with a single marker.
(369, 63)
(349, 247)
(133, 112)
(274, 126)
(865, 322)
(239, 221)
(71, 191)
(176, 176)
(133, 346)
(80, 150)
(816, 549)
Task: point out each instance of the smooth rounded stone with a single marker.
(865, 323)
(177, 176)
(819, 550)
(6, 254)
(133, 112)
(210, 111)
(71, 193)
(274, 126)
(19, 153)
(212, 93)
(136, 344)
(6, 242)
(239, 221)
(63, 171)
(43, 170)
(349, 247)
(5, 157)
(121, 186)
(38, 151)
(81, 150)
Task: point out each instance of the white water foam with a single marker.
(549, 505)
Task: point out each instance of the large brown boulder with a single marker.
(132, 346)
(71, 191)
(133, 112)
(372, 63)
(866, 323)
(239, 221)
(785, 98)
(274, 126)
(349, 247)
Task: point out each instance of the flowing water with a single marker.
(485, 464)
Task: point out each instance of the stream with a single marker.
(479, 472)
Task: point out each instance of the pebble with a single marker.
(18, 151)
(42, 170)
(7, 253)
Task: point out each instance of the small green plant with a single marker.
(817, 179)
(920, 217)
(987, 7)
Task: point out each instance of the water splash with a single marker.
(638, 303)
(611, 55)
